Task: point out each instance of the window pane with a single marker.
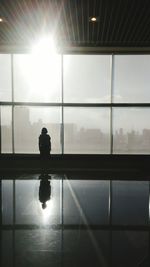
(37, 79)
(87, 78)
(130, 202)
(7, 202)
(131, 130)
(87, 130)
(28, 124)
(132, 78)
(5, 77)
(28, 206)
(86, 202)
(6, 129)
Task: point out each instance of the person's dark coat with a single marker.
(44, 143)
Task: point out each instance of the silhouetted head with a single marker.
(44, 205)
(44, 131)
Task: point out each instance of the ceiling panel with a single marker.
(120, 22)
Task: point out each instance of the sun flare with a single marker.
(44, 46)
(45, 68)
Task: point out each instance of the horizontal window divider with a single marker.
(130, 105)
(30, 104)
(64, 226)
(38, 104)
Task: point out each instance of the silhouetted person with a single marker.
(44, 190)
(44, 143)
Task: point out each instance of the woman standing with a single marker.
(44, 143)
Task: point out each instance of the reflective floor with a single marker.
(50, 220)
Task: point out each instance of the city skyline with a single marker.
(76, 139)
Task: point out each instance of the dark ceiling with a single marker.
(122, 23)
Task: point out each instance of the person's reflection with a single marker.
(44, 189)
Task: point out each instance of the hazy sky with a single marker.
(87, 79)
(132, 78)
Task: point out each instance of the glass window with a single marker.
(131, 78)
(131, 130)
(6, 129)
(130, 248)
(87, 78)
(130, 202)
(29, 207)
(37, 79)
(87, 130)
(86, 202)
(7, 202)
(28, 123)
(5, 78)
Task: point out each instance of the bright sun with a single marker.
(41, 70)
(44, 46)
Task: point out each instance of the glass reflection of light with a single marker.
(48, 211)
